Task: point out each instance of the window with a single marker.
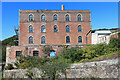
(35, 53)
(55, 28)
(55, 17)
(79, 28)
(30, 29)
(67, 28)
(67, 17)
(67, 39)
(30, 17)
(43, 40)
(80, 39)
(30, 40)
(43, 29)
(43, 17)
(52, 53)
(18, 53)
(79, 18)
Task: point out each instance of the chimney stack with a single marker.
(62, 7)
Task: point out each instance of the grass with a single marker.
(0, 75)
(103, 57)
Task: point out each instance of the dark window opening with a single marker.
(55, 17)
(30, 29)
(79, 28)
(67, 28)
(79, 18)
(35, 53)
(43, 40)
(30, 40)
(43, 17)
(67, 39)
(30, 17)
(18, 53)
(80, 39)
(43, 29)
(55, 29)
(67, 17)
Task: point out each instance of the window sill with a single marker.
(43, 32)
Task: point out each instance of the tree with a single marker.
(47, 49)
(54, 67)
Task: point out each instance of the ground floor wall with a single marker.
(11, 52)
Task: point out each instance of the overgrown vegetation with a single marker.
(90, 52)
(52, 66)
(47, 49)
(7, 42)
(9, 67)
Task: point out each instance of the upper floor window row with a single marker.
(55, 28)
(55, 17)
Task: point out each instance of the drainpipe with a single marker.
(87, 34)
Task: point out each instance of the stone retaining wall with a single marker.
(100, 69)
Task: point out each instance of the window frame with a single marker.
(68, 17)
(29, 39)
(80, 40)
(67, 29)
(16, 55)
(69, 39)
(37, 54)
(56, 17)
(32, 18)
(80, 17)
(80, 26)
(44, 18)
(42, 31)
(29, 29)
(43, 42)
(54, 28)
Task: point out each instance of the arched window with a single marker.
(43, 29)
(67, 39)
(55, 28)
(30, 40)
(79, 28)
(55, 17)
(30, 17)
(30, 29)
(79, 18)
(67, 17)
(43, 40)
(67, 28)
(80, 39)
(43, 17)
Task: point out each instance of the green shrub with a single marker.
(101, 49)
(46, 49)
(73, 54)
(29, 62)
(114, 44)
(9, 67)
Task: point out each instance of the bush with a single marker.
(46, 49)
(101, 49)
(72, 53)
(114, 44)
(9, 67)
(29, 62)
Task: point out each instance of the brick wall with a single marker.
(52, 38)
